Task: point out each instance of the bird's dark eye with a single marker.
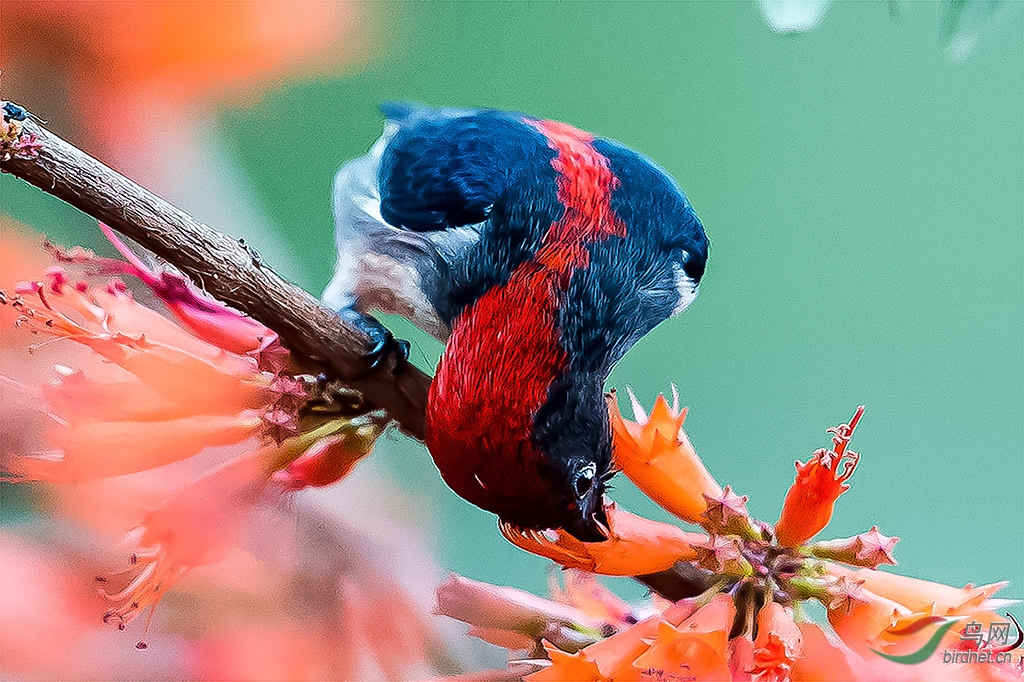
(584, 481)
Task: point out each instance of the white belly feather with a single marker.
(381, 267)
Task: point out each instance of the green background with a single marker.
(863, 198)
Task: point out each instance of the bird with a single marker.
(539, 254)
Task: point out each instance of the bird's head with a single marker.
(549, 470)
(573, 435)
(569, 499)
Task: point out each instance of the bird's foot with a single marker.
(382, 343)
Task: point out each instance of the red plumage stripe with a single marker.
(585, 185)
(504, 350)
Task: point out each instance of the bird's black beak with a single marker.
(589, 528)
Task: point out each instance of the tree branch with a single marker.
(225, 268)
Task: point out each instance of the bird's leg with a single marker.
(382, 343)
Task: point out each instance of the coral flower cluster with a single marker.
(746, 619)
(151, 389)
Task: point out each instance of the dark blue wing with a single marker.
(446, 168)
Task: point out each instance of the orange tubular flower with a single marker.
(697, 648)
(576, 667)
(615, 655)
(859, 617)
(655, 453)
(916, 594)
(613, 658)
(819, 482)
(636, 545)
(514, 616)
(778, 645)
(825, 660)
(753, 580)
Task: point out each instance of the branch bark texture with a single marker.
(226, 269)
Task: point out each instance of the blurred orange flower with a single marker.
(114, 57)
(143, 85)
(144, 392)
(197, 526)
(129, 404)
(43, 603)
(291, 615)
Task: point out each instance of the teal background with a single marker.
(863, 197)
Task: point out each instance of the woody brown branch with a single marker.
(231, 273)
(226, 269)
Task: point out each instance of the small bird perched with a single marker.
(540, 254)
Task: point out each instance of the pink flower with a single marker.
(144, 393)
(778, 645)
(150, 391)
(512, 618)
